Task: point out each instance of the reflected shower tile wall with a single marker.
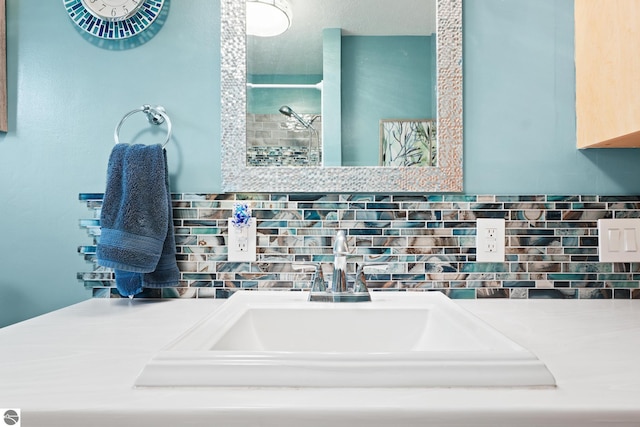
(428, 242)
(275, 140)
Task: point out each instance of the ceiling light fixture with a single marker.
(268, 18)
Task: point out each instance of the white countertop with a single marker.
(76, 367)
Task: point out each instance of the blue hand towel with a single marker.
(166, 272)
(137, 238)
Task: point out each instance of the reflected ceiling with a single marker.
(303, 40)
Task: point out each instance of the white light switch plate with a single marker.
(241, 244)
(619, 240)
(490, 235)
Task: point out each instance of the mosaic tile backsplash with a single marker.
(428, 241)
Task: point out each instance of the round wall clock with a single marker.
(113, 19)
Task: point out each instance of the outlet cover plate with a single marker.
(490, 236)
(619, 240)
(241, 244)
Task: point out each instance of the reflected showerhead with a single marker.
(287, 111)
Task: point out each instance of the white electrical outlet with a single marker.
(241, 244)
(490, 236)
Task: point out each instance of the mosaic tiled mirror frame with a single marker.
(237, 177)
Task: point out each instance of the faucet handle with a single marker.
(317, 284)
(360, 284)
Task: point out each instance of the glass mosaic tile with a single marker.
(428, 241)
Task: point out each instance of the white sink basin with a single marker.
(399, 339)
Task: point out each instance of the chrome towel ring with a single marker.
(156, 116)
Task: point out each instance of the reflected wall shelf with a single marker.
(607, 42)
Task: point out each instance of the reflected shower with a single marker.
(314, 154)
(287, 111)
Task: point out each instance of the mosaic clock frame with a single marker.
(122, 26)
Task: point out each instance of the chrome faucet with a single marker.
(340, 252)
(339, 291)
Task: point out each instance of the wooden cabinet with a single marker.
(607, 58)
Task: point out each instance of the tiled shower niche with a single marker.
(428, 241)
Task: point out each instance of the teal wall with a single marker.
(519, 106)
(332, 96)
(66, 95)
(382, 78)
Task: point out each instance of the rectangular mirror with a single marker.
(321, 146)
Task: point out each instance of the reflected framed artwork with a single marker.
(408, 142)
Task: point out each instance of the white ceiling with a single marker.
(299, 49)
